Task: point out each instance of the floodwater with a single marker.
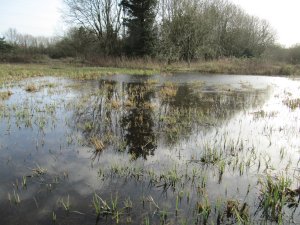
(172, 149)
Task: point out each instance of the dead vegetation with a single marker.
(97, 143)
(31, 88)
(4, 95)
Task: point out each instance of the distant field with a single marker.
(13, 72)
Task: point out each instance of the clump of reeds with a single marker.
(204, 209)
(211, 155)
(168, 91)
(292, 103)
(264, 114)
(31, 88)
(151, 82)
(115, 104)
(97, 143)
(38, 171)
(149, 105)
(5, 95)
(275, 195)
(129, 103)
(240, 213)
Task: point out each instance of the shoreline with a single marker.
(10, 72)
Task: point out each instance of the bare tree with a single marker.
(101, 17)
(26, 40)
(12, 36)
(192, 29)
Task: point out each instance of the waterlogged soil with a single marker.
(174, 149)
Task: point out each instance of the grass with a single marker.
(204, 210)
(115, 104)
(14, 72)
(15, 199)
(24, 182)
(263, 114)
(104, 208)
(168, 92)
(238, 212)
(66, 204)
(128, 204)
(238, 66)
(4, 95)
(31, 88)
(275, 195)
(211, 155)
(292, 103)
(98, 144)
(54, 217)
(38, 171)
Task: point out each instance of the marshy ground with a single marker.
(161, 149)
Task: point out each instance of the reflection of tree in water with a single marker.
(95, 116)
(192, 108)
(137, 121)
(104, 120)
(123, 115)
(120, 116)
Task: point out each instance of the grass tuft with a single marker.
(275, 195)
(98, 144)
(4, 95)
(31, 88)
(292, 103)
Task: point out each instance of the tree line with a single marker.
(169, 30)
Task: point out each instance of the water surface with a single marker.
(173, 149)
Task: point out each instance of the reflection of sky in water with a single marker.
(228, 105)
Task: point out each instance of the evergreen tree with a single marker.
(140, 26)
(4, 47)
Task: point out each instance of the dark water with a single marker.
(158, 150)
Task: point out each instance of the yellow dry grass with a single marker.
(97, 143)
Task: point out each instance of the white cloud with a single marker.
(282, 15)
(36, 17)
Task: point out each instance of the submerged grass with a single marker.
(292, 103)
(238, 212)
(213, 159)
(275, 196)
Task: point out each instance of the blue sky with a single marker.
(42, 17)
